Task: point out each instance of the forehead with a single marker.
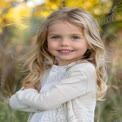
(64, 26)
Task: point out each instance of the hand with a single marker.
(28, 85)
(32, 85)
(37, 86)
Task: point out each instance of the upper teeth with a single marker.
(65, 50)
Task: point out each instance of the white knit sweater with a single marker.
(54, 115)
(68, 94)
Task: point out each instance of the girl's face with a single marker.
(66, 42)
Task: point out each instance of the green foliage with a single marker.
(9, 115)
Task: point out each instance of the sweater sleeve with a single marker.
(74, 85)
(17, 105)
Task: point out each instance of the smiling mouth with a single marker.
(65, 51)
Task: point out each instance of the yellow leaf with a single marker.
(15, 15)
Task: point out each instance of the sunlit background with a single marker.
(19, 24)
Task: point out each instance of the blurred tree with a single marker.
(113, 21)
(11, 24)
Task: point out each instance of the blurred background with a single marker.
(19, 23)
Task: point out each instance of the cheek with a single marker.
(82, 48)
(51, 46)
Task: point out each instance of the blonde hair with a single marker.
(40, 57)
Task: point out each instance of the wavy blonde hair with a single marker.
(40, 57)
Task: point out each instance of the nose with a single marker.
(65, 42)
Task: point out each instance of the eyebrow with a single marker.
(68, 34)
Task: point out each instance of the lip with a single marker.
(65, 51)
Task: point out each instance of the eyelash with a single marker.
(55, 37)
(75, 37)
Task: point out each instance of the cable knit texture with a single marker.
(68, 94)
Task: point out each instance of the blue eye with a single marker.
(55, 37)
(75, 37)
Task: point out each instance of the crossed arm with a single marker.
(75, 85)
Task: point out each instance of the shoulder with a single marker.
(83, 66)
(86, 69)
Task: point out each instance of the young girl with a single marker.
(66, 70)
